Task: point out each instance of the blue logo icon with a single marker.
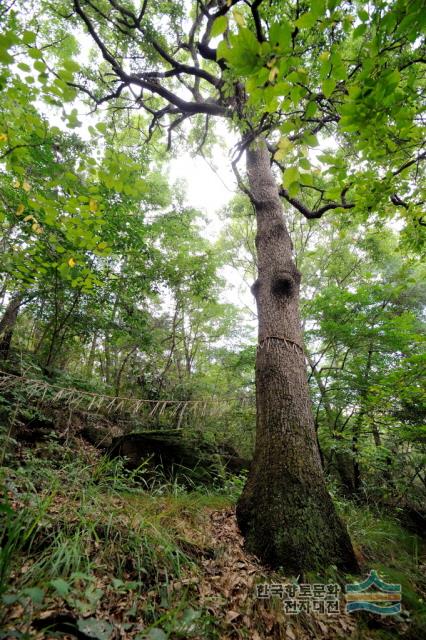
(383, 598)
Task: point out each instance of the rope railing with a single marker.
(46, 393)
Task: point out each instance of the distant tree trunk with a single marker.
(91, 359)
(7, 324)
(169, 362)
(60, 328)
(107, 344)
(285, 511)
(107, 356)
(357, 429)
(121, 369)
(343, 460)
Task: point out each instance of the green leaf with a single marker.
(35, 53)
(10, 598)
(328, 87)
(284, 147)
(310, 139)
(318, 7)
(363, 15)
(189, 616)
(156, 634)
(61, 586)
(239, 17)
(359, 31)
(246, 42)
(311, 109)
(98, 629)
(222, 50)
(293, 189)
(117, 583)
(29, 37)
(36, 594)
(307, 179)
(71, 65)
(40, 66)
(219, 26)
(5, 56)
(306, 21)
(290, 175)
(280, 34)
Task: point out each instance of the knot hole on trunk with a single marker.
(255, 288)
(283, 285)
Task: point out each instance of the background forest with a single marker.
(117, 321)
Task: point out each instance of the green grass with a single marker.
(82, 532)
(83, 535)
(396, 554)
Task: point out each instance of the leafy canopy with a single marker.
(292, 72)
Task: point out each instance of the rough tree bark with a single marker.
(7, 324)
(285, 511)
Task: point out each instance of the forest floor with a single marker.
(90, 552)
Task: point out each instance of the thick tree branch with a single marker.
(257, 22)
(204, 136)
(178, 66)
(409, 163)
(209, 107)
(99, 101)
(185, 68)
(311, 214)
(21, 146)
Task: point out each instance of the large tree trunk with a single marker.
(285, 511)
(7, 324)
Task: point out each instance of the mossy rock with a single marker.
(176, 454)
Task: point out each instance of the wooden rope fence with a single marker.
(45, 393)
